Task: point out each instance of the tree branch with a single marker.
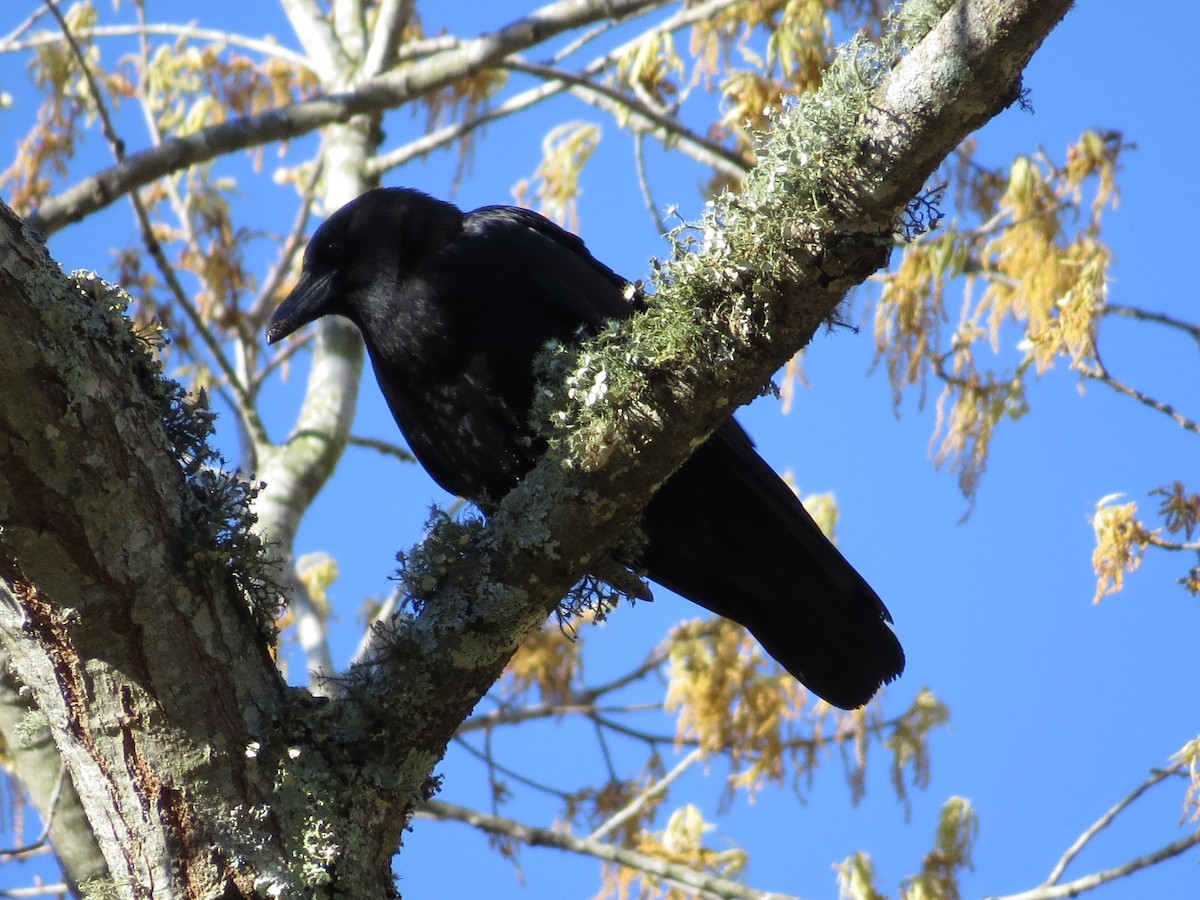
(642, 118)
(447, 134)
(781, 253)
(682, 875)
(1097, 879)
(1105, 820)
(372, 96)
(188, 32)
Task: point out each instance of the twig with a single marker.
(244, 405)
(291, 245)
(581, 702)
(708, 152)
(491, 763)
(603, 28)
(16, 33)
(1154, 541)
(508, 715)
(1146, 315)
(639, 159)
(51, 811)
(1105, 820)
(385, 447)
(1098, 372)
(619, 818)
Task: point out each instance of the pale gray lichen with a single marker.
(99, 889)
(32, 729)
(711, 301)
(218, 516)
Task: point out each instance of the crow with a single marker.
(454, 308)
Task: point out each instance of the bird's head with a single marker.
(367, 246)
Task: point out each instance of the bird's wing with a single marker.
(561, 272)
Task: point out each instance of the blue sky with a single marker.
(1059, 708)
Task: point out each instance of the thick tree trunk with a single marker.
(129, 634)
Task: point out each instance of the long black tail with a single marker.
(727, 533)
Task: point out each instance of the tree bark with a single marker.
(143, 659)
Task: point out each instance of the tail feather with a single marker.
(727, 533)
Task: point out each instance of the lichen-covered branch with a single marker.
(816, 217)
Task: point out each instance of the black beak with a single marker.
(306, 303)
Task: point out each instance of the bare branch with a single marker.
(681, 875)
(188, 32)
(1097, 879)
(639, 158)
(642, 118)
(1098, 372)
(489, 759)
(1105, 820)
(657, 789)
(385, 41)
(385, 447)
(372, 96)
(1146, 315)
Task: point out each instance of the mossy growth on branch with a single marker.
(217, 507)
(717, 295)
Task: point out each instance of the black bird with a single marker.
(454, 308)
